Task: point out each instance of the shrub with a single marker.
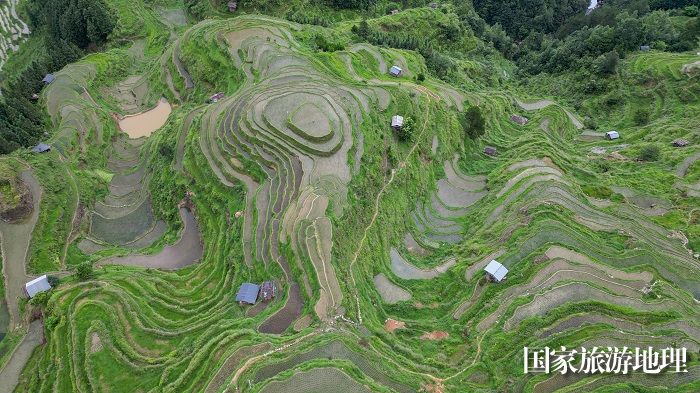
(473, 123)
(649, 152)
(420, 77)
(327, 45)
(607, 64)
(53, 281)
(84, 271)
(405, 133)
(641, 116)
(166, 151)
(602, 166)
(40, 299)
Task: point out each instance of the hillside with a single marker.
(159, 199)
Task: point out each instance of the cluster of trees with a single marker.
(68, 28)
(557, 36)
(352, 4)
(76, 22)
(438, 63)
(600, 45)
(473, 122)
(519, 18)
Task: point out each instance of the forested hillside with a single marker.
(63, 31)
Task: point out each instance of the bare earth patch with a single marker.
(437, 387)
(435, 336)
(95, 343)
(391, 324)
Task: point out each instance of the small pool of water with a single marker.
(146, 123)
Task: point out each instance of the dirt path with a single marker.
(401, 166)
(683, 167)
(185, 252)
(9, 375)
(75, 221)
(14, 243)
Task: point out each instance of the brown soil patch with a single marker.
(437, 387)
(435, 336)
(420, 305)
(391, 324)
(95, 343)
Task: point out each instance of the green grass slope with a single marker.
(601, 246)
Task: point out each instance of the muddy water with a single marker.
(145, 123)
(186, 251)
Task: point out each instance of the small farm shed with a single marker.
(41, 148)
(232, 6)
(268, 291)
(48, 79)
(680, 143)
(396, 122)
(394, 12)
(612, 135)
(39, 284)
(645, 48)
(496, 271)
(433, 5)
(216, 97)
(490, 151)
(247, 293)
(519, 119)
(395, 70)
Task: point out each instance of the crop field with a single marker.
(296, 176)
(13, 30)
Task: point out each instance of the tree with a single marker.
(53, 281)
(98, 24)
(40, 299)
(84, 271)
(607, 64)
(346, 4)
(473, 123)
(649, 152)
(405, 133)
(363, 30)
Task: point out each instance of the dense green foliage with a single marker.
(74, 22)
(473, 122)
(521, 18)
(66, 27)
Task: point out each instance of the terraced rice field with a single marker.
(296, 176)
(13, 30)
